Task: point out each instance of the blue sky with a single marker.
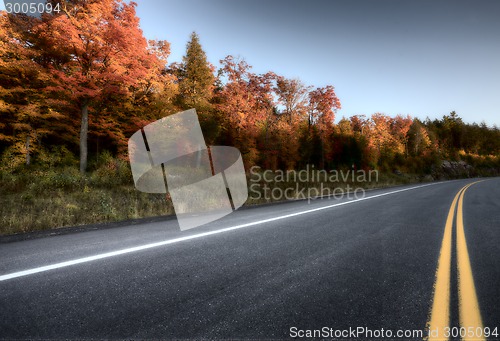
(423, 58)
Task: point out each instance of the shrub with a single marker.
(111, 171)
(57, 156)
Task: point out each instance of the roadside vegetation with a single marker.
(39, 198)
(52, 193)
(56, 194)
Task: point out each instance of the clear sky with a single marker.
(424, 58)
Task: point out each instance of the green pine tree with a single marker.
(196, 79)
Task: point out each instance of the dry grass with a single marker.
(39, 199)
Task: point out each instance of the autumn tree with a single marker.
(96, 49)
(323, 104)
(418, 138)
(400, 125)
(345, 127)
(293, 97)
(148, 100)
(25, 113)
(246, 105)
(157, 89)
(380, 131)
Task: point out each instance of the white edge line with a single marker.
(195, 236)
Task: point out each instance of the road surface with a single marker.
(400, 259)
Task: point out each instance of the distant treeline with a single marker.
(85, 81)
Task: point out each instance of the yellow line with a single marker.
(470, 316)
(440, 312)
(468, 305)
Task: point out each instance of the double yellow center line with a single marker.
(468, 309)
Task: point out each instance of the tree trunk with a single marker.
(28, 157)
(84, 129)
(322, 152)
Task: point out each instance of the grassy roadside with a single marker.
(42, 199)
(54, 194)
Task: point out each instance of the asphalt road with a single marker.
(370, 263)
